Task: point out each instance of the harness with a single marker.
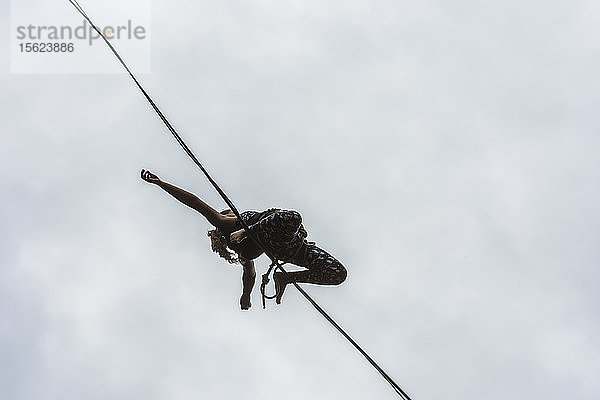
(304, 245)
(265, 282)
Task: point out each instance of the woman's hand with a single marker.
(245, 302)
(150, 177)
(238, 236)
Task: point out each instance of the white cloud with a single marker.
(446, 153)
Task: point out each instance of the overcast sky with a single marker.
(445, 152)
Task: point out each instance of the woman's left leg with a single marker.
(321, 269)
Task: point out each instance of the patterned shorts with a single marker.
(321, 267)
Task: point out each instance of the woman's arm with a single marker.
(248, 278)
(213, 216)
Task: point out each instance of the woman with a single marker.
(280, 232)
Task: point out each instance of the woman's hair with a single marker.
(218, 244)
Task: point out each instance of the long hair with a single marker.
(218, 244)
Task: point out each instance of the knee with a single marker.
(291, 218)
(340, 275)
(287, 221)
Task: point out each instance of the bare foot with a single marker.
(245, 302)
(280, 284)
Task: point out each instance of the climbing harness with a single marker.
(265, 282)
(276, 264)
(266, 276)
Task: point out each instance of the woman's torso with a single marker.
(268, 237)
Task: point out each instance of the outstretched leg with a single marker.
(218, 220)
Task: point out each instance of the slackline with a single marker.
(230, 204)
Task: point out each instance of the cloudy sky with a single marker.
(445, 152)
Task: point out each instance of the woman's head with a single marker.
(219, 243)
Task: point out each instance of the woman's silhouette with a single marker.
(279, 231)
